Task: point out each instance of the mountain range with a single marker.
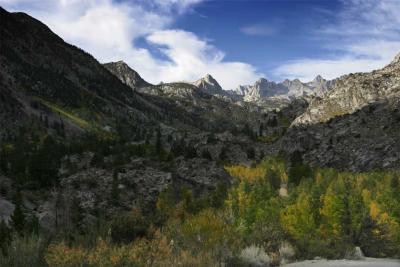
(261, 90)
(286, 89)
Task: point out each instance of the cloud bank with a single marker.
(111, 30)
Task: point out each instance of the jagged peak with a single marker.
(126, 74)
(209, 76)
(119, 63)
(318, 78)
(208, 83)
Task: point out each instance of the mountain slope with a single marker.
(37, 66)
(352, 92)
(354, 126)
(42, 75)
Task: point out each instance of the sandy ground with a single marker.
(368, 262)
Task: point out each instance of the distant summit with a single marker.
(209, 85)
(263, 88)
(127, 75)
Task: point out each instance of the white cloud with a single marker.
(190, 56)
(110, 30)
(366, 36)
(259, 30)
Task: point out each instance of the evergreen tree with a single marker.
(5, 237)
(158, 142)
(206, 154)
(18, 217)
(395, 184)
(178, 148)
(44, 163)
(114, 188)
(211, 139)
(297, 169)
(261, 130)
(251, 153)
(273, 177)
(223, 154)
(46, 121)
(76, 213)
(190, 152)
(3, 162)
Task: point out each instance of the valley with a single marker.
(99, 167)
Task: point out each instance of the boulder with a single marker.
(6, 209)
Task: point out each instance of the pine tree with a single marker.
(18, 217)
(251, 153)
(158, 142)
(5, 237)
(223, 154)
(114, 188)
(206, 154)
(3, 162)
(273, 178)
(76, 212)
(46, 122)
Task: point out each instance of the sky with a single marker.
(236, 41)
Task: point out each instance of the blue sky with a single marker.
(263, 33)
(236, 41)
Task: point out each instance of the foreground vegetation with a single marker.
(325, 213)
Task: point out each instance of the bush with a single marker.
(255, 256)
(158, 251)
(127, 228)
(286, 252)
(24, 251)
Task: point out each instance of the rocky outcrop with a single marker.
(6, 209)
(127, 75)
(261, 88)
(286, 89)
(173, 90)
(365, 140)
(352, 92)
(354, 126)
(209, 85)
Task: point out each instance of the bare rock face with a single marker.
(6, 209)
(352, 92)
(127, 75)
(261, 88)
(201, 174)
(354, 126)
(367, 139)
(173, 90)
(209, 85)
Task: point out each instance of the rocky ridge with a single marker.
(286, 89)
(209, 85)
(352, 92)
(127, 75)
(354, 126)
